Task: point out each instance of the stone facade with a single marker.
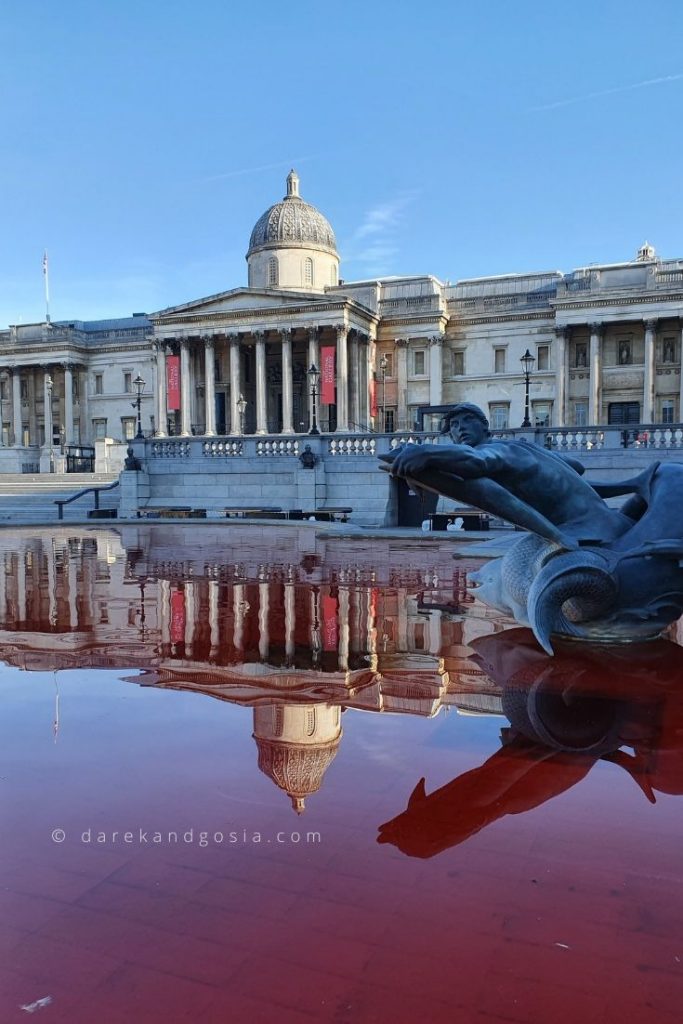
(606, 344)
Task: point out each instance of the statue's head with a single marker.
(466, 423)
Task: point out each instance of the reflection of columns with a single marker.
(3, 590)
(435, 369)
(402, 382)
(235, 383)
(680, 360)
(165, 617)
(261, 384)
(343, 628)
(263, 609)
(213, 618)
(290, 620)
(209, 388)
(354, 382)
(161, 414)
(595, 364)
(47, 406)
(342, 379)
(68, 405)
(313, 360)
(72, 588)
(185, 388)
(402, 620)
(21, 585)
(239, 607)
(16, 407)
(434, 628)
(189, 618)
(316, 646)
(561, 375)
(649, 378)
(287, 421)
(49, 549)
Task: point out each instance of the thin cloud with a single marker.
(373, 243)
(256, 170)
(610, 92)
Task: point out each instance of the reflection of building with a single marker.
(606, 342)
(297, 641)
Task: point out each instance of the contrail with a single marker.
(255, 170)
(609, 92)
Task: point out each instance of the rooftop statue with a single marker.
(586, 570)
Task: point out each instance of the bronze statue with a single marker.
(588, 570)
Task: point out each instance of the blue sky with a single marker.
(141, 141)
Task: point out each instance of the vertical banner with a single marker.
(330, 635)
(373, 399)
(173, 383)
(177, 617)
(327, 374)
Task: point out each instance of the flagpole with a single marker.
(47, 288)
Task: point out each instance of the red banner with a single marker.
(373, 399)
(177, 615)
(330, 625)
(327, 374)
(172, 383)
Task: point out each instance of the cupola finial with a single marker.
(292, 184)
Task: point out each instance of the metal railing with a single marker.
(61, 502)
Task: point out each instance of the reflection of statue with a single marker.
(131, 461)
(619, 576)
(566, 714)
(308, 459)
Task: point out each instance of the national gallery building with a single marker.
(605, 342)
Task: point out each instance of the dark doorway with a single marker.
(220, 413)
(414, 505)
(621, 414)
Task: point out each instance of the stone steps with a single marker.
(37, 504)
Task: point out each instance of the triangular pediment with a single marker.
(240, 299)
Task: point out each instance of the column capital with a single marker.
(651, 324)
(313, 333)
(341, 329)
(401, 342)
(597, 328)
(286, 333)
(209, 340)
(259, 336)
(232, 337)
(436, 339)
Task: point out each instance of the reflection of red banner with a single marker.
(327, 374)
(373, 399)
(173, 383)
(177, 617)
(330, 624)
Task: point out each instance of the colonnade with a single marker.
(249, 400)
(595, 368)
(42, 391)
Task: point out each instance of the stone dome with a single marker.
(297, 769)
(292, 223)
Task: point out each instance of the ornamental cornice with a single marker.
(408, 321)
(636, 300)
(86, 354)
(501, 319)
(267, 313)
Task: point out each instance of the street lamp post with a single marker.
(527, 362)
(313, 375)
(139, 386)
(2, 431)
(383, 370)
(47, 416)
(241, 409)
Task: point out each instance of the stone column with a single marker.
(213, 619)
(263, 613)
(209, 388)
(342, 379)
(185, 388)
(402, 382)
(68, 405)
(16, 408)
(561, 374)
(47, 406)
(261, 384)
(239, 608)
(370, 383)
(290, 620)
(287, 382)
(364, 387)
(32, 389)
(649, 376)
(436, 369)
(595, 365)
(164, 599)
(189, 617)
(344, 610)
(161, 410)
(235, 383)
(313, 360)
(354, 382)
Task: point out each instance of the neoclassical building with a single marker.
(606, 344)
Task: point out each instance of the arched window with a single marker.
(272, 270)
(308, 271)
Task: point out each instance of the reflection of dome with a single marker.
(296, 745)
(292, 246)
(298, 770)
(292, 222)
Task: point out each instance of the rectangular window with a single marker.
(99, 384)
(4, 389)
(99, 428)
(458, 364)
(668, 350)
(128, 427)
(668, 410)
(419, 363)
(624, 352)
(580, 355)
(499, 415)
(499, 360)
(24, 390)
(128, 383)
(580, 414)
(543, 357)
(541, 413)
(389, 420)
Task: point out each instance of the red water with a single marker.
(534, 876)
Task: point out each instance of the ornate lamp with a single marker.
(527, 361)
(313, 376)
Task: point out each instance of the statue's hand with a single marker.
(408, 461)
